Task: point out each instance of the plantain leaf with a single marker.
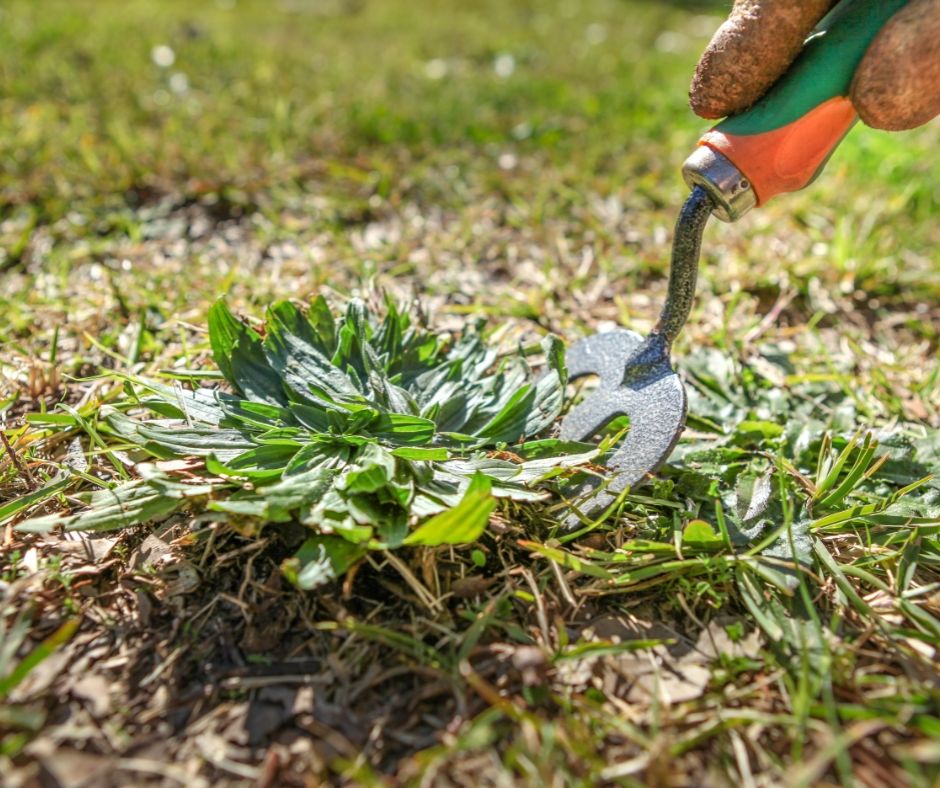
(238, 351)
(130, 504)
(464, 523)
(10, 680)
(352, 428)
(11, 508)
(291, 348)
(323, 324)
(266, 461)
(549, 389)
(509, 423)
(402, 429)
(224, 331)
(374, 468)
(180, 441)
(421, 454)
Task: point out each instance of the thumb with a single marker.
(750, 51)
(897, 84)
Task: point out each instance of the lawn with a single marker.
(766, 611)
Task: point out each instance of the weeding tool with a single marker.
(781, 144)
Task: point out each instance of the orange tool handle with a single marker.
(783, 142)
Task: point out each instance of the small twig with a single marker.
(259, 682)
(771, 317)
(244, 607)
(252, 547)
(246, 575)
(416, 585)
(389, 673)
(210, 543)
(163, 666)
(539, 604)
(563, 586)
(680, 598)
(17, 462)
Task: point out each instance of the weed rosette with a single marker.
(371, 432)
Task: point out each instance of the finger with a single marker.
(750, 52)
(897, 84)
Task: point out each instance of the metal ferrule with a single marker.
(731, 192)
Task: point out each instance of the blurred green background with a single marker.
(105, 99)
(344, 111)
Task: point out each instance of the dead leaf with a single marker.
(69, 768)
(667, 680)
(714, 640)
(471, 586)
(177, 466)
(182, 578)
(96, 691)
(151, 553)
(271, 709)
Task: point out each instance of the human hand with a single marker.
(896, 86)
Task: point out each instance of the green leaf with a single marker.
(374, 468)
(392, 530)
(247, 415)
(130, 504)
(323, 324)
(182, 441)
(860, 468)
(388, 339)
(317, 454)
(464, 523)
(698, 532)
(52, 419)
(224, 331)
(421, 454)
(238, 351)
(568, 560)
(402, 429)
(602, 648)
(266, 461)
(824, 484)
(12, 508)
(351, 339)
(320, 560)
(38, 655)
(296, 491)
(204, 405)
(510, 422)
(549, 389)
(246, 507)
(320, 419)
(171, 486)
(756, 432)
(766, 611)
(293, 349)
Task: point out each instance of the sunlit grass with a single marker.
(520, 161)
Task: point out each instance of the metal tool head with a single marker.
(635, 380)
(636, 376)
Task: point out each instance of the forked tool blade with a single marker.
(654, 401)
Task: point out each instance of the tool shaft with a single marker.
(683, 273)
